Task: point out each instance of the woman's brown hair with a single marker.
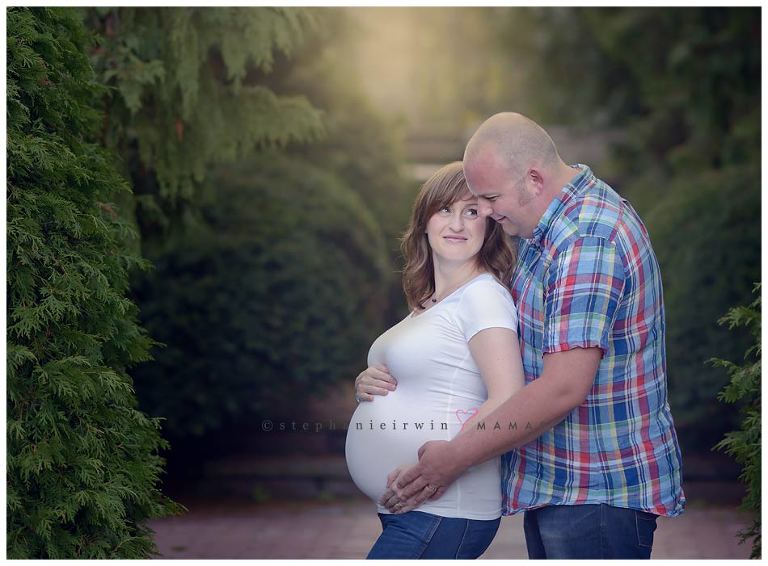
(446, 186)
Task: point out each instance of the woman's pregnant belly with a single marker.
(388, 432)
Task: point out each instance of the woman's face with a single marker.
(456, 232)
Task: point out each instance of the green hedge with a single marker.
(82, 460)
(275, 297)
(706, 233)
(744, 387)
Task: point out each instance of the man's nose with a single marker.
(484, 208)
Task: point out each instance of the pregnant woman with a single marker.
(455, 358)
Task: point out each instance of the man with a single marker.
(589, 447)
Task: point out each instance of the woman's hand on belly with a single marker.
(374, 380)
(392, 478)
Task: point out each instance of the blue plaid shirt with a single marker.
(588, 277)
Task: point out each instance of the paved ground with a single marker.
(348, 528)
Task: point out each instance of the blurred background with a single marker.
(274, 155)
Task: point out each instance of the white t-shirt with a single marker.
(439, 387)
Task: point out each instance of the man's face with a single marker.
(502, 195)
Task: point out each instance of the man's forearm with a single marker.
(483, 412)
(533, 410)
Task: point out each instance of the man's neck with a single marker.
(564, 175)
(560, 176)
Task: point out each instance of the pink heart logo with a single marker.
(468, 414)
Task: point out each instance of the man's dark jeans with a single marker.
(588, 531)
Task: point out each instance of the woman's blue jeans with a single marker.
(588, 531)
(416, 534)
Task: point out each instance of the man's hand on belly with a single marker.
(410, 487)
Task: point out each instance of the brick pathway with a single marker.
(347, 529)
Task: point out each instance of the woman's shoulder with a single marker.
(483, 283)
(485, 303)
(486, 289)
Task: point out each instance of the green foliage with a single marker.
(187, 94)
(708, 245)
(566, 75)
(278, 287)
(744, 387)
(697, 77)
(684, 86)
(274, 297)
(684, 82)
(82, 462)
(362, 148)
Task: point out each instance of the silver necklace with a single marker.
(451, 290)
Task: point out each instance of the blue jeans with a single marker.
(588, 531)
(416, 534)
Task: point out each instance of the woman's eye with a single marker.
(445, 209)
(472, 212)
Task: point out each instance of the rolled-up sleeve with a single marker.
(582, 293)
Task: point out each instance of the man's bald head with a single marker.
(512, 166)
(513, 141)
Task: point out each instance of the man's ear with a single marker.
(535, 181)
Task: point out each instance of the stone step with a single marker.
(324, 477)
